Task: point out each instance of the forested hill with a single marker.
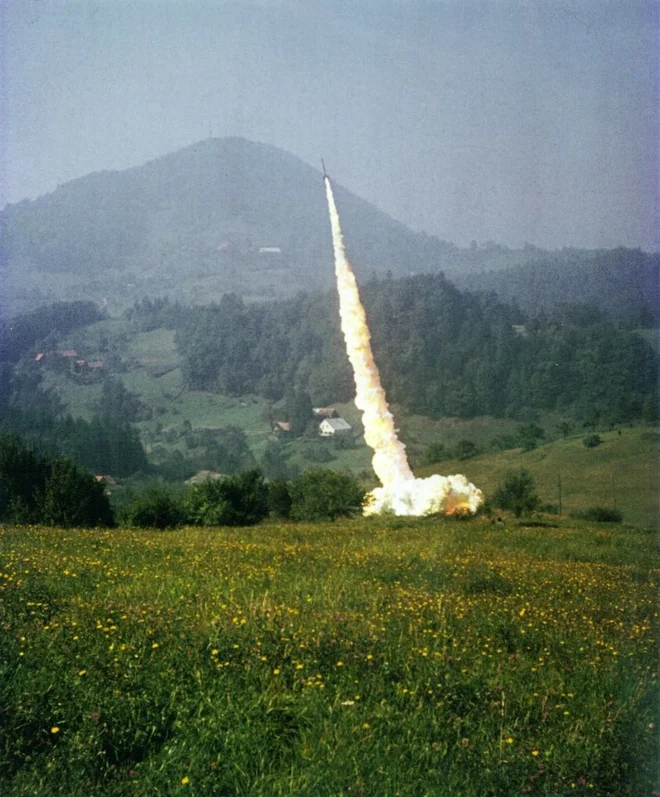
(619, 281)
(440, 352)
(223, 215)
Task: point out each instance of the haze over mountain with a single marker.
(222, 215)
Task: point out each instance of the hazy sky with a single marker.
(534, 120)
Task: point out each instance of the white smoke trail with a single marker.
(401, 493)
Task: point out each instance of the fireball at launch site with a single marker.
(400, 492)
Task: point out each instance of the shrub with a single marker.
(435, 452)
(592, 440)
(465, 449)
(517, 494)
(240, 500)
(155, 507)
(600, 514)
(321, 494)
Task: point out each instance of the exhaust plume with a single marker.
(401, 493)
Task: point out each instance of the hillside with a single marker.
(221, 215)
(623, 468)
(618, 281)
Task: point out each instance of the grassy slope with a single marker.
(380, 658)
(628, 460)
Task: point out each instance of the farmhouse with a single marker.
(280, 427)
(334, 426)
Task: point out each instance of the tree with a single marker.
(279, 498)
(529, 434)
(23, 474)
(322, 494)
(240, 500)
(517, 494)
(73, 497)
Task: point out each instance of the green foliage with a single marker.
(37, 489)
(592, 440)
(465, 449)
(279, 498)
(117, 403)
(73, 497)
(518, 494)
(23, 475)
(321, 494)
(529, 435)
(22, 332)
(102, 445)
(600, 514)
(240, 500)
(448, 354)
(435, 452)
(156, 507)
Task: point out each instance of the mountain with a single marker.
(222, 215)
(618, 281)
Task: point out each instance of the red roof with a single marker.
(40, 356)
(284, 426)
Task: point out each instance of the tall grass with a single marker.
(383, 657)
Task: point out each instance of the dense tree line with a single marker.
(38, 488)
(623, 282)
(44, 325)
(103, 445)
(440, 352)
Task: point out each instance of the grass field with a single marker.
(368, 657)
(623, 469)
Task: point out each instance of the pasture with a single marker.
(365, 657)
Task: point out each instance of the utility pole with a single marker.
(559, 491)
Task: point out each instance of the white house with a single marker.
(332, 426)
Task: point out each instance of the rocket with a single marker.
(326, 176)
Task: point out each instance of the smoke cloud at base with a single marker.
(401, 493)
(449, 495)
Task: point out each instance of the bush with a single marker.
(155, 507)
(465, 449)
(592, 440)
(518, 494)
(240, 500)
(435, 452)
(321, 494)
(600, 514)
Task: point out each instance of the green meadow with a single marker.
(363, 657)
(622, 471)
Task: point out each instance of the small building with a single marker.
(325, 412)
(39, 358)
(108, 483)
(95, 365)
(270, 250)
(281, 427)
(203, 476)
(69, 354)
(334, 426)
(520, 329)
